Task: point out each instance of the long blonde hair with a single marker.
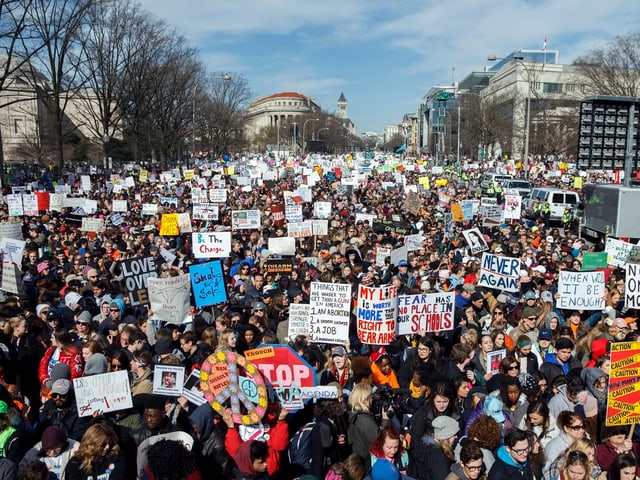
(91, 445)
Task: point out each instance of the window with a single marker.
(18, 125)
(552, 88)
(558, 198)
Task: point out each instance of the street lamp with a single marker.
(304, 132)
(295, 137)
(105, 142)
(225, 77)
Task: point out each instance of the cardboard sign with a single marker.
(298, 320)
(320, 227)
(414, 242)
(330, 310)
(169, 226)
(624, 384)
(11, 279)
(191, 388)
(475, 241)
(30, 204)
(381, 254)
(135, 274)
(456, 212)
(376, 314)
(501, 273)
(617, 251)
(211, 244)
(108, 392)
(14, 204)
(632, 286)
(169, 298)
(432, 312)
(207, 283)
(293, 213)
(581, 290)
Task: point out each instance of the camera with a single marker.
(384, 398)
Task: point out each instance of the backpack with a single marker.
(299, 446)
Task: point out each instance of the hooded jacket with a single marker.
(457, 473)
(210, 453)
(589, 376)
(243, 468)
(506, 468)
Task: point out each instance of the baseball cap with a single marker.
(338, 351)
(545, 334)
(61, 386)
(546, 296)
(402, 263)
(259, 306)
(469, 288)
(530, 295)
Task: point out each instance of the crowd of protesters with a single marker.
(425, 406)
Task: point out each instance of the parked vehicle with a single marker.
(487, 178)
(521, 187)
(611, 209)
(558, 200)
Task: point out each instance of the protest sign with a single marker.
(512, 206)
(493, 361)
(280, 265)
(135, 274)
(617, 251)
(594, 260)
(12, 249)
(376, 314)
(581, 290)
(469, 208)
(116, 219)
(107, 392)
(300, 229)
(320, 227)
(11, 230)
(456, 212)
(169, 226)
(184, 222)
(149, 209)
(56, 201)
(632, 286)
(492, 215)
(284, 372)
(329, 314)
(381, 254)
(205, 211)
(501, 273)
(11, 278)
(624, 384)
(298, 320)
(414, 242)
(30, 204)
(432, 312)
(634, 255)
(211, 244)
(92, 224)
(191, 388)
(207, 282)
(398, 254)
(169, 298)
(475, 241)
(322, 209)
(412, 203)
(14, 204)
(217, 195)
(293, 213)
(245, 219)
(119, 205)
(388, 227)
(284, 246)
(168, 256)
(168, 379)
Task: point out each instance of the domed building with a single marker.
(278, 111)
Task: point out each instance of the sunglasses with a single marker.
(514, 367)
(114, 309)
(58, 395)
(82, 323)
(576, 427)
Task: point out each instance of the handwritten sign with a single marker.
(617, 251)
(322, 209)
(207, 283)
(376, 314)
(431, 312)
(498, 272)
(211, 244)
(119, 206)
(298, 320)
(581, 290)
(205, 211)
(92, 224)
(512, 206)
(108, 392)
(169, 298)
(632, 286)
(14, 203)
(11, 230)
(149, 209)
(169, 225)
(330, 310)
(300, 229)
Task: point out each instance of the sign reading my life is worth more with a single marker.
(376, 314)
(624, 384)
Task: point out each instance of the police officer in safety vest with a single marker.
(9, 440)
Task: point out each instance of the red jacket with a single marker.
(278, 442)
(71, 357)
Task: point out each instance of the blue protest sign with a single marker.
(207, 282)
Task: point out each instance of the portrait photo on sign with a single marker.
(191, 388)
(168, 380)
(475, 240)
(494, 359)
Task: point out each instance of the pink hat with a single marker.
(42, 266)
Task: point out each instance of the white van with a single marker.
(558, 200)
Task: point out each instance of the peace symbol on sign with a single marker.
(220, 380)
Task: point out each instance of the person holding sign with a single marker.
(617, 442)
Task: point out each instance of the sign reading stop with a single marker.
(284, 371)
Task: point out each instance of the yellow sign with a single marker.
(456, 212)
(188, 174)
(577, 182)
(144, 176)
(425, 182)
(169, 225)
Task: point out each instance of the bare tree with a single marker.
(613, 69)
(56, 25)
(483, 123)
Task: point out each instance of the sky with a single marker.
(383, 55)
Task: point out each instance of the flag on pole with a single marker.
(544, 45)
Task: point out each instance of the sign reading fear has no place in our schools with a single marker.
(623, 401)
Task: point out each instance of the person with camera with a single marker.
(363, 426)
